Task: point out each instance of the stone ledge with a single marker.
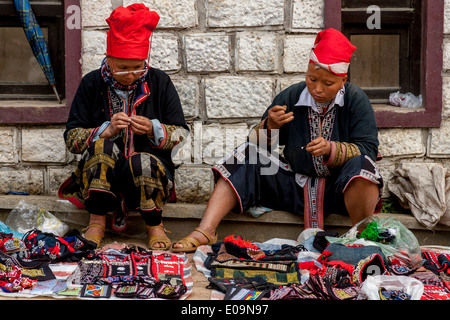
(181, 218)
(195, 211)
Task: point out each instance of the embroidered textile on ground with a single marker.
(42, 264)
(322, 266)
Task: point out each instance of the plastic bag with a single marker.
(25, 217)
(372, 285)
(405, 100)
(398, 244)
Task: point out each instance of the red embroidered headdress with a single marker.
(129, 32)
(332, 51)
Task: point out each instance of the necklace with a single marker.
(322, 107)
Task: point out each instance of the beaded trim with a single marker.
(325, 131)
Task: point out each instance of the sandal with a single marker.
(97, 239)
(158, 238)
(190, 244)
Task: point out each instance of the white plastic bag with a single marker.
(25, 217)
(409, 285)
(405, 100)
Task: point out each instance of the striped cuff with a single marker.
(340, 153)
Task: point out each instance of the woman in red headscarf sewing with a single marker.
(328, 129)
(125, 121)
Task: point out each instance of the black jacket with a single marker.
(354, 123)
(90, 109)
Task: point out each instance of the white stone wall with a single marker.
(227, 59)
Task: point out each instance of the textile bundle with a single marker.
(378, 259)
(425, 189)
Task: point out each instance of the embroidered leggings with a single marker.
(107, 178)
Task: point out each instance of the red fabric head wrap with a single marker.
(332, 51)
(129, 31)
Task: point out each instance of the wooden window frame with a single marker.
(430, 69)
(46, 112)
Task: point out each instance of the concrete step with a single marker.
(181, 218)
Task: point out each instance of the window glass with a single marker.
(17, 61)
(376, 61)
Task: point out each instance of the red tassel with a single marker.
(55, 250)
(240, 242)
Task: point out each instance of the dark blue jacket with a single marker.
(354, 123)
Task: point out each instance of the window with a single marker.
(403, 52)
(20, 74)
(388, 38)
(24, 110)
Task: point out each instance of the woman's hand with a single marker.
(118, 122)
(277, 117)
(319, 147)
(141, 125)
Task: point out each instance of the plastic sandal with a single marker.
(190, 244)
(97, 239)
(153, 239)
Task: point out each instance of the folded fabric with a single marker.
(13, 247)
(352, 254)
(434, 287)
(286, 253)
(436, 261)
(320, 241)
(444, 261)
(423, 188)
(331, 283)
(278, 266)
(325, 289)
(292, 292)
(224, 259)
(48, 245)
(273, 277)
(255, 283)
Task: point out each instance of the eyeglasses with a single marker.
(122, 73)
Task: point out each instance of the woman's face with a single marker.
(322, 84)
(126, 65)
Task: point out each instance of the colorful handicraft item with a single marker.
(241, 248)
(12, 279)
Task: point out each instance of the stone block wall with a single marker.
(228, 60)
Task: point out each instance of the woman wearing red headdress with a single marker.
(328, 129)
(125, 121)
